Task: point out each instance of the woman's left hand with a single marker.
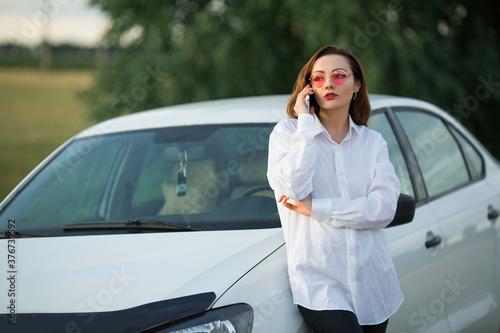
(303, 207)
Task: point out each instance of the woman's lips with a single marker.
(330, 96)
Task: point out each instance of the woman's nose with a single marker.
(329, 81)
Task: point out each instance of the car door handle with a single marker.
(492, 213)
(434, 241)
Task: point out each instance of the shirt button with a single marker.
(338, 149)
(350, 253)
(341, 173)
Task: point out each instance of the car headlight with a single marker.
(216, 326)
(236, 318)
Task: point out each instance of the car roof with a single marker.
(259, 109)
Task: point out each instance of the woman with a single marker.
(337, 191)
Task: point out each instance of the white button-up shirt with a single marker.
(338, 258)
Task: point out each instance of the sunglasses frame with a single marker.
(333, 80)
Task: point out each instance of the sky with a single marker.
(60, 21)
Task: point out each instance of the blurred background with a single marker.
(67, 64)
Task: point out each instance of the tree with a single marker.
(183, 51)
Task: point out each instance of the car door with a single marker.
(420, 268)
(453, 173)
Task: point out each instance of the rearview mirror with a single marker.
(195, 152)
(405, 210)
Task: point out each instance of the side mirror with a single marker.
(405, 210)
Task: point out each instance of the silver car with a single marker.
(163, 221)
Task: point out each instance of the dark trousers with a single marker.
(338, 321)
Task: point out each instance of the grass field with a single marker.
(38, 112)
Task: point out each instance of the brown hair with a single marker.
(359, 109)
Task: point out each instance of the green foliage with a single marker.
(181, 51)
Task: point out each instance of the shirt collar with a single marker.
(319, 128)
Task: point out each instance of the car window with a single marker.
(380, 123)
(474, 159)
(205, 177)
(73, 192)
(437, 151)
(70, 188)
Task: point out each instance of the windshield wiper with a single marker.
(129, 225)
(16, 234)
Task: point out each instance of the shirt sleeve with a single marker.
(374, 211)
(291, 158)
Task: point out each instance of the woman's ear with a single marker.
(357, 86)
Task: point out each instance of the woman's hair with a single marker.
(359, 109)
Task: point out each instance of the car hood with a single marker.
(115, 272)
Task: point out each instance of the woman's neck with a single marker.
(336, 123)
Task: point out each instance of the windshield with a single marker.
(204, 177)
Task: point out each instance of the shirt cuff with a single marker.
(305, 129)
(305, 123)
(321, 209)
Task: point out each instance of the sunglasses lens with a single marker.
(317, 80)
(339, 77)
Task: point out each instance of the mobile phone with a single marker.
(308, 103)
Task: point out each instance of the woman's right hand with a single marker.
(300, 104)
